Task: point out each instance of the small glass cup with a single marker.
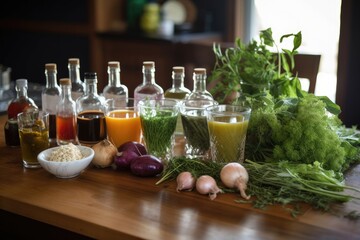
(194, 121)
(34, 136)
(227, 130)
(158, 122)
(123, 121)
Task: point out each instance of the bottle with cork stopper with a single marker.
(66, 128)
(199, 91)
(50, 97)
(149, 88)
(77, 86)
(115, 90)
(177, 90)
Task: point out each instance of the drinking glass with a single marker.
(227, 130)
(123, 121)
(194, 121)
(158, 121)
(34, 136)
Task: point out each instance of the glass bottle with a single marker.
(77, 86)
(66, 128)
(199, 91)
(21, 103)
(91, 109)
(177, 90)
(148, 89)
(50, 97)
(115, 90)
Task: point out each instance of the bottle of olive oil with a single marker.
(177, 90)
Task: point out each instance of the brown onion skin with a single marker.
(146, 166)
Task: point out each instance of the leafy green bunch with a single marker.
(287, 123)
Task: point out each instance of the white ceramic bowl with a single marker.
(67, 169)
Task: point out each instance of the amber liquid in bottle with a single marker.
(66, 127)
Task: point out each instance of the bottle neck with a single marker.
(199, 83)
(66, 92)
(90, 87)
(114, 77)
(74, 73)
(178, 80)
(21, 92)
(51, 79)
(148, 76)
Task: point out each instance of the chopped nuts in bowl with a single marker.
(66, 161)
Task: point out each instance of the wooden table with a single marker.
(108, 204)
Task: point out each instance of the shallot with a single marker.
(234, 175)
(104, 153)
(207, 185)
(185, 181)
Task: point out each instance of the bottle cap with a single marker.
(74, 61)
(90, 75)
(149, 64)
(178, 69)
(65, 81)
(50, 66)
(114, 64)
(22, 82)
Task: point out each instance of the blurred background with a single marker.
(171, 32)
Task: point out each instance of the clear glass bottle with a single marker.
(148, 89)
(115, 90)
(77, 86)
(177, 90)
(91, 109)
(21, 103)
(50, 97)
(66, 128)
(199, 91)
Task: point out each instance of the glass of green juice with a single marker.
(194, 122)
(227, 126)
(158, 122)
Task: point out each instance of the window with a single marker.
(319, 23)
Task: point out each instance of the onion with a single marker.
(146, 166)
(133, 146)
(104, 154)
(234, 175)
(185, 181)
(122, 160)
(207, 185)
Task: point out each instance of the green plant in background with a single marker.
(287, 123)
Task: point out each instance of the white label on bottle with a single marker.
(49, 103)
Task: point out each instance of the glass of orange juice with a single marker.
(227, 126)
(123, 122)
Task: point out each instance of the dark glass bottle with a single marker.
(91, 109)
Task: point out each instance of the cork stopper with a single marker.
(65, 81)
(114, 64)
(178, 69)
(50, 66)
(149, 64)
(74, 61)
(200, 70)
